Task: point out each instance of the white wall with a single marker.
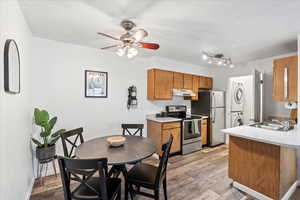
(15, 110)
(58, 86)
(271, 108)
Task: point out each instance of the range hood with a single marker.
(183, 93)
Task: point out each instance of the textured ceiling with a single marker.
(243, 30)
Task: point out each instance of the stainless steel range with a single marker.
(190, 129)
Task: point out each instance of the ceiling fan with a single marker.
(130, 39)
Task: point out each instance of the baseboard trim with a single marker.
(260, 196)
(29, 190)
(290, 192)
(251, 192)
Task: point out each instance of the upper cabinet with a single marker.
(178, 80)
(285, 79)
(195, 87)
(188, 81)
(160, 84)
(205, 82)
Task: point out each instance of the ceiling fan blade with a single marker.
(108, 47)
(139, 34)
(109, 36)
(148, 45)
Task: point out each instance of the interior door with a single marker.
(217, 124)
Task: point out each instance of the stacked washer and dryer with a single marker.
(245, 99)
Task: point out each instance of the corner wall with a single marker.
(15, 110)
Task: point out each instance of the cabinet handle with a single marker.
(285, 83)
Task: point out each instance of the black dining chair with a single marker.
(65, 139)
(149, 176)
(133, 129)
(96, 185)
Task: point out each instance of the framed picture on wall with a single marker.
(95, 84)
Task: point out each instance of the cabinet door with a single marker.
(204, 132)
(209, 83)
(202, 82)
(176, 145)
(285, 79)
(163, 83)
(178, 80)
(188, 81)
(195, 87)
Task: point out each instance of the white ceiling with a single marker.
(241, 29)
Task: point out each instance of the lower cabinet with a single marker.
(160, 133)
(204, 131)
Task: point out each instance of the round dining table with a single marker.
(135, 149)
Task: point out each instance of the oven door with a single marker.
(191, 132)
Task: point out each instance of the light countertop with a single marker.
(282, 138)
(162, 119)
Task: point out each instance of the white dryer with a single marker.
(237, 97)
(237, 119)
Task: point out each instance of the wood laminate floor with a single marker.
(197, 176)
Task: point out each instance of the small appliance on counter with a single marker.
(212, 104)
(191, 128)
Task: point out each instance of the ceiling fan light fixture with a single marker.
(131, 52)
(121, 51)
(204, 56)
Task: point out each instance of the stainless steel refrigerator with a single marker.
(212, 104)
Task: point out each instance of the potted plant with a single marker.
(46, 148)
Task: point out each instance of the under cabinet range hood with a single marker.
(183, 93)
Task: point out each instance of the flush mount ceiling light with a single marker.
(218, 59)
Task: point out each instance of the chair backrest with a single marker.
(82, 171)
(132, 129)
(65, 138)
(163, 163)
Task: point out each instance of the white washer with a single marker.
(237, 96)
(237, 119)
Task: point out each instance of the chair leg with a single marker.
(126, 190)
(131, 191)
(119, 194)
(156, 194)
(165, 188)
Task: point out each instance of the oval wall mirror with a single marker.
(11, 67)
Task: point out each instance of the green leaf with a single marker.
(58, 133)
(45, 134)
(52, 122)
(35, 141)
(37, 116)
(44, 116)
(54, 140)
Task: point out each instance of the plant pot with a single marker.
(45, 153)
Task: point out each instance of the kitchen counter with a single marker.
(282, 138)
(162, 119)
(263, 162)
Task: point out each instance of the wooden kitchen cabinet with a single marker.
(285, 79)
(195, 88)
(178, 80)
(160, 133)
(205, 82)
(160, 84)
(265, 168)
(204, 131)
(188, 81)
